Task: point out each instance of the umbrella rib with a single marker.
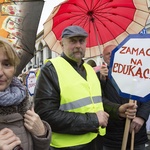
(119, 15)
(114, 23)
(27, 51)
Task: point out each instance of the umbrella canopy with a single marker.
(19, 21)
(106, 21)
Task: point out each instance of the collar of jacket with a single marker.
(80, 69)
(73, 63)
(21, 108)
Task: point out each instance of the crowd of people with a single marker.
(73, 108)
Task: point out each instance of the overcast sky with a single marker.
(48, 7)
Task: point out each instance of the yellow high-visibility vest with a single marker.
(77, 95)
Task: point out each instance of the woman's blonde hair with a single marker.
(8, 49)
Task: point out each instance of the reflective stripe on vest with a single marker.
(81, 103)
(77, 95)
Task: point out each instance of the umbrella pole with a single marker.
(126, 131)
(101, 55)
(132, 136)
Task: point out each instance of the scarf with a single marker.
(14, 94)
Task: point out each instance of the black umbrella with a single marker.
(19, 21)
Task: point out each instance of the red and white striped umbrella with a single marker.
(106, 21)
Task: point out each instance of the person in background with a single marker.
(68, 96)
(115, 128)
(19, 124)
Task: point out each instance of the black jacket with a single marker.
(115, 128)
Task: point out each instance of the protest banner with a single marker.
(31, 82)
(130, 73)
(129, 67)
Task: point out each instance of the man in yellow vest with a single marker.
(68, 96)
